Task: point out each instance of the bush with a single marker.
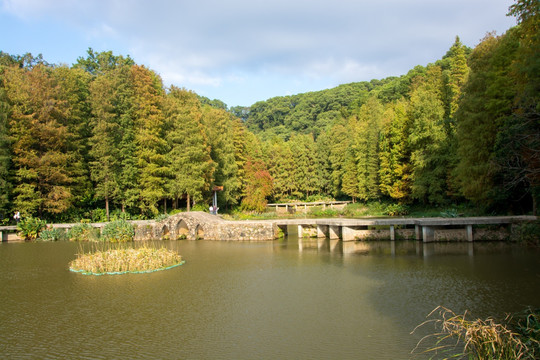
(52, 234)
(161, 217)
(396, 210)
(118, 231)
(527, 233)
(318, 211)
(30, 228)
(83, 232)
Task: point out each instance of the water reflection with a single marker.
(394, 248)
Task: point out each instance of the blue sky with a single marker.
(243, 51)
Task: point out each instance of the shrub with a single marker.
(118, 231)
(318, 211)
(527, 233)
(83, 232)
(161, 217)
(396, 210)
(30, 228)
(52, 234)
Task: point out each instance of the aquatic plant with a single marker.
(125, 260)
(477, 339)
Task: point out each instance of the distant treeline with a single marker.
(106, 133)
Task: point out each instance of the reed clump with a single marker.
(461, 338)
(119, 260)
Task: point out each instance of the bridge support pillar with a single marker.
(322, 231)
(469, 233)
(392, 233)
(418, 232)
(333, 232)
(428, 234)
(4, 235)
(300, 231)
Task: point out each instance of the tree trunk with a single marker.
(188, 203)
(107, 208)
(164, 206)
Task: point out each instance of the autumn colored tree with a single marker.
(5, 154)
(258, 186)
(39, 133)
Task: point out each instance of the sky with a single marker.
(244, 51)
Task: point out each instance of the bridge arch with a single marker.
(165, 232)
(182, 230)
(199, 232)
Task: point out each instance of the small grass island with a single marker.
(123, 261)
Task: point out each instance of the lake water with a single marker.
(290, 299)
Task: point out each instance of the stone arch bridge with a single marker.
(196, 225)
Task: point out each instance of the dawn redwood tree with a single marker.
(427, 138)
(151, 145)
(394, 171)
(488, 100)
(219, 128)
(189, 164)
(367, 148)
(105, 164)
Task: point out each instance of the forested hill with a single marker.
(308, 112)
(313, 112)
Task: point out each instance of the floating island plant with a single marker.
(128, 260)
(105, 259)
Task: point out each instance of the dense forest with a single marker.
(105, 135)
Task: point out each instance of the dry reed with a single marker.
(123, 260)
(477, 339)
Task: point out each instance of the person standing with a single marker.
(17, 217)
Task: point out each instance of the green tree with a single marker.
(367, 148)
(428, 140)
(488, 100)
(220, 133)
(97, 63)
(304, 156)
(190, 165)
(152, 146)
(394, 171)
